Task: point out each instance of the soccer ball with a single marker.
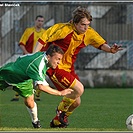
(129, 122)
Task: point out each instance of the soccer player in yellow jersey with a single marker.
(27, 43)
(71, 37)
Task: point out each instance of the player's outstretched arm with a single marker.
(52, 91)
(113, 49)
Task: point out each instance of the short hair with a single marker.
(52, 49)
(80, 13)
(39, 16)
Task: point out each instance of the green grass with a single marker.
(100, 110)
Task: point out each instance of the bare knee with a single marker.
(78, 88)
(81, 89)
(29, 101)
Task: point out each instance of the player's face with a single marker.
(54, 60)
(39, 22)
(82, 26)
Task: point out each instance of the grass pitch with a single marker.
(100, 110)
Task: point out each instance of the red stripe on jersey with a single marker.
(30, 43)
(64, 44)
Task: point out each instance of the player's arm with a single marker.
(42, 41)
(98, 42)
(23, 49)
(52, 91)
(111, 49)
(38, 47)
(23, 41)
(39, 81)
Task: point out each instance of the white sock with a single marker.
(33, 113)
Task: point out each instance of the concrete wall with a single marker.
(106, 78)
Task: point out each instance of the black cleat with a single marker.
(62, 118)
(36, 124)
(52, 125)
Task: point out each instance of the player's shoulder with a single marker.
(40, 54)
(92, 32)
(37, 55)
(29, 29)
(61, 25)
(90, 29)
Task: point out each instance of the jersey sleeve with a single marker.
(93, 38)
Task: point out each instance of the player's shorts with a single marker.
(24, 89)
(61, 78)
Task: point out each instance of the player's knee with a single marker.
(29, 102)
(79, 88)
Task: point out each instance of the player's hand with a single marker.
(115, 48)
(65, 92)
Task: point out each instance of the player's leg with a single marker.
(76, 103)
(73, 106)
(63, 80)
(25, 89)
(64, 115)
(78, 100)
(32, 109)
(37, 94)
(61, 118)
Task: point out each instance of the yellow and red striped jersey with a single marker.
(30, 37)
(65, 36)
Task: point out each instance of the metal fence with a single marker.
(112, 20)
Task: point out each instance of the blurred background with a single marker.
(112, 20)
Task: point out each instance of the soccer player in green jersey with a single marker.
(28, 69)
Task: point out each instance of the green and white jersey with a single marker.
(30, 66)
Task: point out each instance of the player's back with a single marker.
(16, 72)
